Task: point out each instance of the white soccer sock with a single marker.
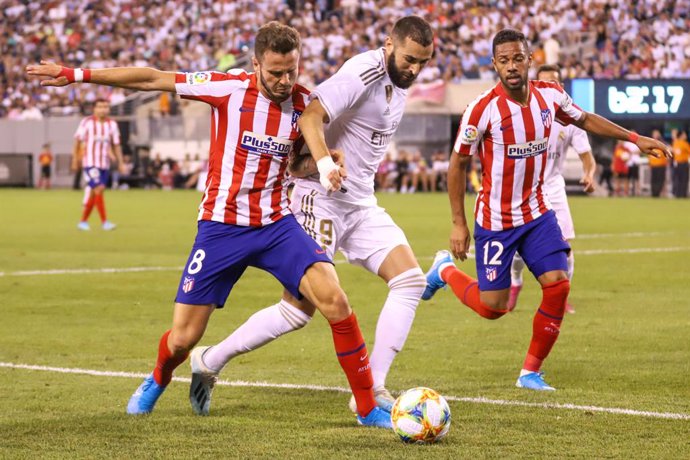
(395, 321)
(261, 328)
(516, 270)
(571, 265)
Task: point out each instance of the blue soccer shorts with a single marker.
(540, 243)
(95, 177)
(222, 252)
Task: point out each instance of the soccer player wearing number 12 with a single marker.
(509, 127)
(244, 219)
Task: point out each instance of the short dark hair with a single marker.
(414, 28)
(507, 36)
(549, 68)
(99, 100)
(276, 37)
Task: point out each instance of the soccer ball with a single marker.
(420, 415)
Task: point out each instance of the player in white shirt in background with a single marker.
(562, 137)
(355, 112)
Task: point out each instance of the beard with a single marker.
(272, 95)
(400, 78)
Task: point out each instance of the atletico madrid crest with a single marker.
(546, 118)
(188, 284)
(491, 274)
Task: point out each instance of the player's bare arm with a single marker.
(311, 125)
(76, 155)
(303, 164)
(460, 233)
(597, 124)
(136, 78)
(589, 167)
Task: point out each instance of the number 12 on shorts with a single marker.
(490, 246)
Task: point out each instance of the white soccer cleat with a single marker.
(383, 398)
(203, 381)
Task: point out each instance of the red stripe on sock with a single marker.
(546, 326)
(166, 362)
(354, 359)
(88, 207)
(100, 205)
(466, 289)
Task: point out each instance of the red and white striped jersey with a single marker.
(98, 138)
(251, 137)
(512, 142)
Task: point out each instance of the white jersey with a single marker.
(364, 108)
(560, 139)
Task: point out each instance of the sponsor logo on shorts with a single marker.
(470, 134)
(188, 284)
(528, 149)
(198, 78)
(321, 251)
(262, 144)
(491, 274)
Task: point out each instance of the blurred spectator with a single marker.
(439, 171)
(633, 168)
(619, 167)
(603, 38)
(681, 152)
(45, 159)
(658, 168)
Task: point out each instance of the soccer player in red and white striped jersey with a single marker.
(96, 142)
(244, 219)
(508, 127)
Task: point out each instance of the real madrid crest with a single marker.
(389, 93)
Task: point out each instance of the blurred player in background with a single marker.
(45, 159)
(509, 127)
(244, 219)
(96, 143)
(363, 104)
(560, 139)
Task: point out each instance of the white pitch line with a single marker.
(592, 236)
(90, 271)
(290, 386)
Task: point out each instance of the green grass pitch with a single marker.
(627, 347)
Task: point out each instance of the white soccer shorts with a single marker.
(365, 235)
(559, 202)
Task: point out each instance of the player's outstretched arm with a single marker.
(136, 78)
(457, 181)
(311, 125)
(597, 124)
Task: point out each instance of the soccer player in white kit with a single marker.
(362, 105)
(561, 138)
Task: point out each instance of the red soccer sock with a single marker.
(354, 359)
(547, 323)
(166, 362)
(466, 289)
(88, 207)
(100, 205)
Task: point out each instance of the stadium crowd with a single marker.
(589, 38)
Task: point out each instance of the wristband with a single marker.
(75, 75)
(326, 165)
(633, 137)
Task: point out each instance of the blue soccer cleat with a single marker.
(433, 277)
(378, 418)
(143, 400)
(83, 226)
(534, 381)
